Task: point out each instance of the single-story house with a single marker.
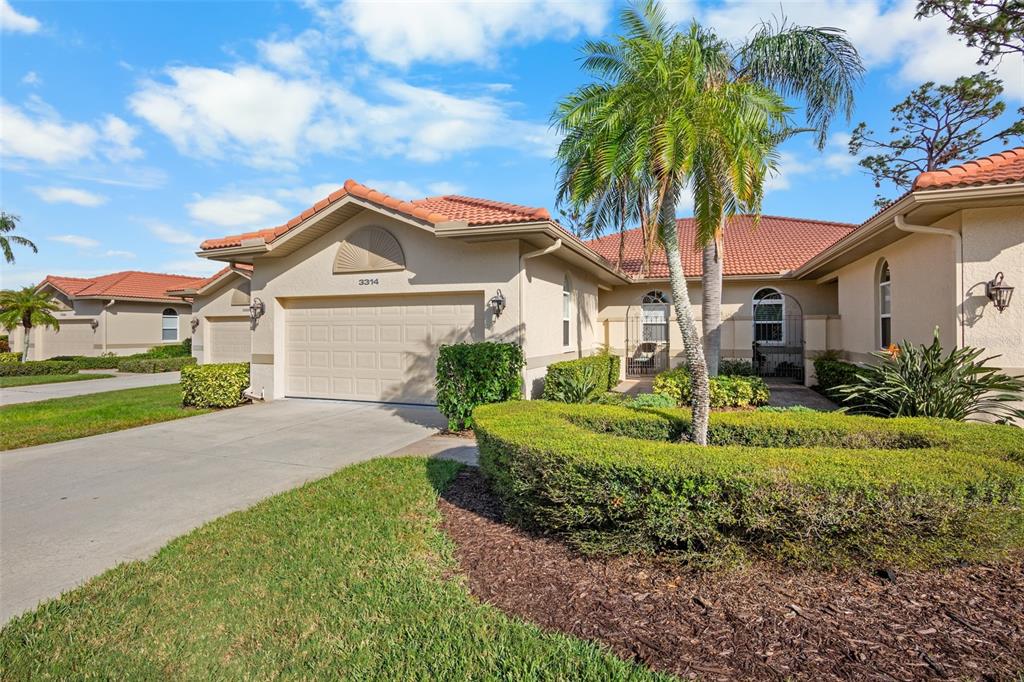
(352, 298)
(121, 313)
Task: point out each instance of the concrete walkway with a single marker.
(31, 394)
(71, 510)
(784, 393)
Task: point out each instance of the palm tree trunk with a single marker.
(701, 398)
(28, 341)
(711, 305)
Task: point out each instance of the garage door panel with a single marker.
(380, 348)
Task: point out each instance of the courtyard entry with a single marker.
(647, 335)
(778, 348)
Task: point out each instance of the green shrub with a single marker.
(219, 385)
(472, 374)
(5, 343)
(650, 400)
(832, 373)
(599, 373)
(175, 350)
(726, 390)
(36, 368)
(137, 365)
(742, 368)
(581, 471)
(920, 381)
(106, 361)
(9, 357)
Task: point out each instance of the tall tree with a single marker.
(27, 308)
(995, 26)
(819, 67)
(661, 115)
(934, 127)
(8, 224)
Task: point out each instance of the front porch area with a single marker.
(785, 393)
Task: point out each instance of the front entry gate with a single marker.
(778, 349)
(647, 336)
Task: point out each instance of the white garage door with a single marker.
(374, 348)
(73, 338)
(230, 340)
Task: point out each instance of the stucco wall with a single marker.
(923, 289)
(223, 303)
(993, 241)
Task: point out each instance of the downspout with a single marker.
(522, 274)
(106, 321)
(958, 259)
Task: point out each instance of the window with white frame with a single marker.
(654, 305)
(884, 305)
(169, 330)
(566, 311)
(769, 309)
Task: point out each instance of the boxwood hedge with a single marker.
(153, 365)
(726, 390)
(36, 368)
(215, 385)
(826, 492)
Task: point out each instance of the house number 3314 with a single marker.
(369, 281)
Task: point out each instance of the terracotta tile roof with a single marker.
(776, 245)
(996, 169)
(127, 284)
(432, 210)
(199, 284)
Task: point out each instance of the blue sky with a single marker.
(130, 131)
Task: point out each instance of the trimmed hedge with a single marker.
(218, 385)
(92, 362)
(9, 356)
(726, 390)
(174, 350)
(610, 480)
(832, 373)
(473, 374)
(36, 368)
(153, 365)
(736, 368)
(605, 369)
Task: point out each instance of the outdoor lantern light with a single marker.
(998, 292)
(497, 303)
(256, 310)
(94, 324)
(195, 324)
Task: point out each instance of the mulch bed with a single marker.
(760, 622)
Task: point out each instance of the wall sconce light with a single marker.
(195, 324)
(94, 324)
(497, 303)
(998, 292)
(256, 310)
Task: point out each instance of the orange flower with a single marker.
(893, 350)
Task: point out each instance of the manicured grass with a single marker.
(10, 382)
(345, 578)
(49, 421)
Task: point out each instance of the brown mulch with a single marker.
(759, 622)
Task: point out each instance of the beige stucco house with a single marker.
(121, 313)
(352, 298)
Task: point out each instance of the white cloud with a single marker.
(837, 154)
(292, 55)
(232, 210)
(307, 196)
(462, 30)
(12, 22)
(172, 235)
(788, 168)
(120, 136)
(274, 120)
(31, 78)
(44, 138)
(445, 188)
(75, 240)
(17, 275)
(199, 267)
(114, 253)
(69, 195)
(400, 189)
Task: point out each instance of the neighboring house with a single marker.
(122, 313)
(352, 298)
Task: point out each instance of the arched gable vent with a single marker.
(370, 249)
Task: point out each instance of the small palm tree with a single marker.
(662, 118)
(27, 308)
(9, 223)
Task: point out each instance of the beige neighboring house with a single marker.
(352, 298)
(121, 313)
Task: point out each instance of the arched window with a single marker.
(769, 309)
(884, 305)
(566, 310)
(655, 316)
(169, 329)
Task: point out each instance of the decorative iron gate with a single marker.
(778, 349)
(647, 336)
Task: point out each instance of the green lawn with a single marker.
(10, 382)
(344, 578)
(49, 421)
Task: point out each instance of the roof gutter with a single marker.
(958, 260)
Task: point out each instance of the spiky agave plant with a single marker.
(922, 381)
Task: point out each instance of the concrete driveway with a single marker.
(31, 394)
(69, 511)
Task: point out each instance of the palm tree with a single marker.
(816, 65)
(662, 117)
(9, 223)
(27, 308)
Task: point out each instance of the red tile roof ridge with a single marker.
(784, 217)
(964, 173)
(540, 213)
